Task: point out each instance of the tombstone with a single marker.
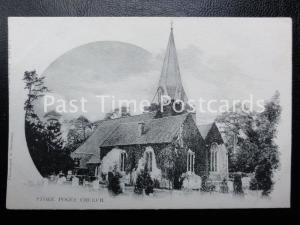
(122, 185)
(61, 180)
(60, 174)
(75, 181)
(85, 182)
(246, 183)
(69, 175)
(238, 185)
(52, 177)
(133, 176)
(185, 184)
(45, 182)
(192, 182)
(230, 186)
(224, 186)
(96, 185)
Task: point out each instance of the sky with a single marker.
(218, 58)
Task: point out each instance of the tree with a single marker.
(36, 89)
(117, 113)
(266, 127)
(43, 140)
(35, 134)
(53, 136)
(45, 145)
(236, 123)
(82, 124)
(166, 158)
(80, 130)
(268, 159)
(34, 128)
(154, 107)
(256, 147)
(173, 161)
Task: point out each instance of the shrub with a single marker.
(206, 185)
(139, 184)
(253, 184)
(156, 183)
(263, 178)
(114, 183)
(144, 182)
(224, 186)
(237, 184)
(148, 183)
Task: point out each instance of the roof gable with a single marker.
(204, 129)
(211, 133)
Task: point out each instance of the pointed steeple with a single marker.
(170, 80)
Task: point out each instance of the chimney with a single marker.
(141, 128)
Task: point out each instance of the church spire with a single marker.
(170, 80)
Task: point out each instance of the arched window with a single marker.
(122, 161)
(190, 161)
(214, 157)
(149, 158)
(180, 138)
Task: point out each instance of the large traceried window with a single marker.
(190, 161)
(122, 161)
(149, 158)
(214, 157)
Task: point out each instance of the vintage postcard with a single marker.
(149, 113)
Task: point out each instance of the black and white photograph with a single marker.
(149, 112)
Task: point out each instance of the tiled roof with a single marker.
(104, 130)
(161, 130)
(95, 159)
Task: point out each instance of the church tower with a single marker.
(170, 83)
(170, 80)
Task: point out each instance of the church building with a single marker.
(167, 143)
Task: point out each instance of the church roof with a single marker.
(170, 80)
(94, 159)
(124, 131)
(104, 130)
(160, 130)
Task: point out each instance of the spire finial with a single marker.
(171, 25)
